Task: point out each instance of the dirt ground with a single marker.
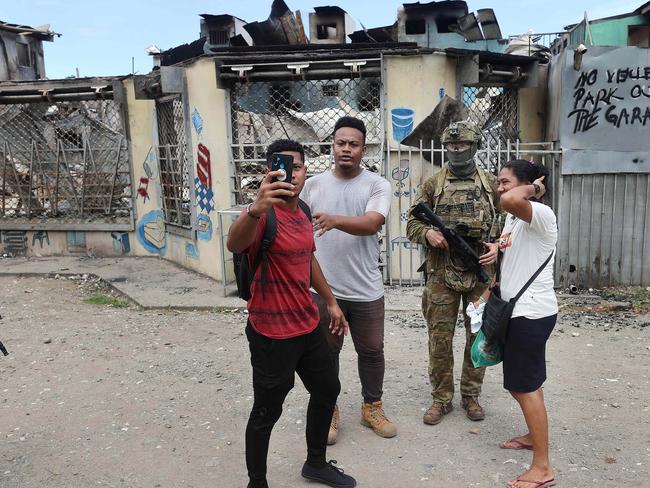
(94, 395)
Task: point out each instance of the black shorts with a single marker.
(524, 353)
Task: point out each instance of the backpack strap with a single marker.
(305, 208)
(262, 257)
(270, 230)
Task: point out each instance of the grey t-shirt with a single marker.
(350, 263)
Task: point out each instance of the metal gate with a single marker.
(64, 164)
(494, 110)
(305, 111)
(409, 168)
(173, 159)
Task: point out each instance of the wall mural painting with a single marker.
(197, 122)
(151, 232)
(76, 241)
(401, 174)
(402, 119)
(121, 243)
(191, 250)
(403, 242)
(149, 165)
(203, 181)
(143, 189)
(40, 236)
(149, 168)
(203, 227)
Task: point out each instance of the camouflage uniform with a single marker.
(470, 206)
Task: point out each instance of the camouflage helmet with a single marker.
(463, 130)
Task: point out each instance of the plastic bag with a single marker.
(485, 353)
(475, 316)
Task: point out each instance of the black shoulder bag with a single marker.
(497, 311)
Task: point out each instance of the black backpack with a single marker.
(245, 270)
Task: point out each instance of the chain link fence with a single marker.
(305, 111)
(495, 111)
(64, 162)
(173, 160)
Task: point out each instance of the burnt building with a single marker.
(21, 51)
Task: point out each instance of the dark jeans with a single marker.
(274, 363)
(366, 321)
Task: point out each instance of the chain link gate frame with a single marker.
(495, 111)
(306, 111)
(303, 110)
(65, 164)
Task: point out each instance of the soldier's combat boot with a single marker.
(435, 412)
(334, 427)
(471, 406)
(373, 416)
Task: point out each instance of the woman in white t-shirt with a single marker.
(529, 237)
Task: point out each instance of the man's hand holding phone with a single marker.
(271, 193)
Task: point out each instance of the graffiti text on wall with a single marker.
(610, 93)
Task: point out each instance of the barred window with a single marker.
(219, 37)
(172, 156)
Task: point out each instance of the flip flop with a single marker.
(536, 484)
(515, 444)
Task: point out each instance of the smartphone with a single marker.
(282, 162)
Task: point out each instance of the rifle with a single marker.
(423, 213)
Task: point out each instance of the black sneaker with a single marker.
(257, 484)
(329, 474)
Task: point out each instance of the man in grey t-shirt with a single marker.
(350, 204)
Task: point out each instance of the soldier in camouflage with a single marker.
(465, 197)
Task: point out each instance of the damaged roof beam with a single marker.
(310, 74)
(54, 97)
(515, 74)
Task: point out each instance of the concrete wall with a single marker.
(416, 83)
(532, 110)
(42, 243)
(413, 86)
(199, 248)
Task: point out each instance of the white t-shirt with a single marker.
(525, 247)
(350, 263)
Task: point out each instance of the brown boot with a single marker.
(334, 427)
(372, 415)
(435, 412)
(474, 410)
